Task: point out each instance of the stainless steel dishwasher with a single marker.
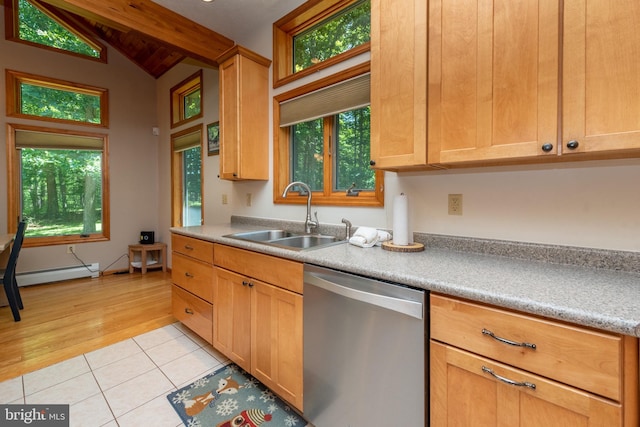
(365, 363)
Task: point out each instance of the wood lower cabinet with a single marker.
(258, 317)
(192, 290)
(232, 326)
(195, 313)
(276, 340)
(464, 393)
(495, 367)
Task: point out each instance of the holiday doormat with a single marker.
(231, 397)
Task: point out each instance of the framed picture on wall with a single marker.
(213, 138)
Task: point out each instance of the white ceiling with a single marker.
(232, 18)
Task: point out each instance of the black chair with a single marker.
(9, 274)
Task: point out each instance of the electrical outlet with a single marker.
(225, 200)
(71, 249)
(455, 204)
(248, 199)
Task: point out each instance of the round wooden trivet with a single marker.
(411, 247)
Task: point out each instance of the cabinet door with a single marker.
(493, 79)
(398, 83)
(463, 394)
(276, 351)
(229, 120)
(232, 317)
(601, 65)
(244, 115)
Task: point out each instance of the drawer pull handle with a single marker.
(186, 273)
(532, 386)
(188, 311)
(506, 341)
(188, 247)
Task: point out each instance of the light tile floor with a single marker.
(124, 384)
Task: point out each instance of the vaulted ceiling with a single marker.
(153, 37)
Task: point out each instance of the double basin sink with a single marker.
(286, 239)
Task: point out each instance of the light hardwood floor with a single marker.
(66, 319)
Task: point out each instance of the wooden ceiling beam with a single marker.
(153, 20)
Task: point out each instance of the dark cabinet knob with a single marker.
(547, 147)
(573, 144)
(372, 162)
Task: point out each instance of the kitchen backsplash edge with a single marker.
(556, 254)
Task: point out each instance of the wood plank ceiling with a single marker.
(151, 36)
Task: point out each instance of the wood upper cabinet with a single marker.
(398, 84)
(493, 79)
(244, 115)
(601, 69)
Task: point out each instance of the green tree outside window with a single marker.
(37, 27)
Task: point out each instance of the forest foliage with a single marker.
(351, 129)
(61, 188)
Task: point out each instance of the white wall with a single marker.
(592, 204)
(133, 156)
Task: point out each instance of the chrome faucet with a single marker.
(309, 224)
(348, 224)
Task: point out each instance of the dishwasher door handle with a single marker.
(404, 306)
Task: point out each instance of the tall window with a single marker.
(43, 98)
(324, 141)
(186, 100)
(186, 172)
(38, 24)
(58, 182)
(319, 34)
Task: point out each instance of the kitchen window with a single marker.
(186, 177)
(318, 35)
(323, 139)
(186, 100)
(40, 25)
(58, 183)
(43, 98)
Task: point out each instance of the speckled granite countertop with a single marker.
(603, 298)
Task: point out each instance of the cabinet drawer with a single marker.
(193, 312)
(195, 248)
(283, 273)
(581, 357)
(192, 275)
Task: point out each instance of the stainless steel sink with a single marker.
(306, 241)
(286, 239)
(261, 235)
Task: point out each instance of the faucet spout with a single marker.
(309, 224)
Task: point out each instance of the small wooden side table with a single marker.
(160, 248)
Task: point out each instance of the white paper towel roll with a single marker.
(401, 220)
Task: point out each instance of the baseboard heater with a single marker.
(57, 274)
